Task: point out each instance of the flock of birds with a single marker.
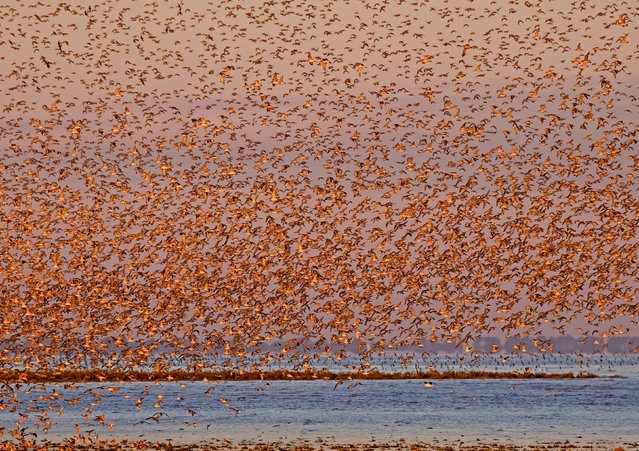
(283, 180)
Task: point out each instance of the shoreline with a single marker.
(308, 445)
(81, 376)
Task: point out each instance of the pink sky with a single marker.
(378, 171)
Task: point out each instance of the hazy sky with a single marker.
(386, 171)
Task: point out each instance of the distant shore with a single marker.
(17, 376)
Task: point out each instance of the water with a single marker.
(603, 410)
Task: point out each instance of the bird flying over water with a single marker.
(285, 182)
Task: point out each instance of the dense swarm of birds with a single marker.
(281, 180)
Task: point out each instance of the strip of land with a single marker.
(80, 443)
(17, 376)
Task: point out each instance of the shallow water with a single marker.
(604, 410)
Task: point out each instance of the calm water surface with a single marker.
(604, 410)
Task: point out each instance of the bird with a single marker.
(170, 199)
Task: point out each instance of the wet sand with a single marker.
(460, 445)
